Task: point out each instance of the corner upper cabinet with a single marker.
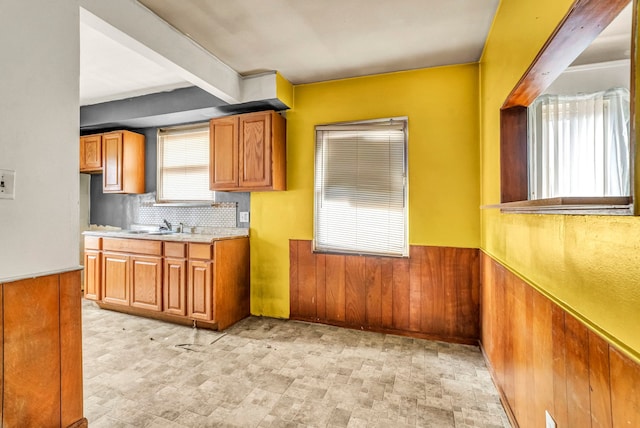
(91, 154)
(123, 156)
(248, 152)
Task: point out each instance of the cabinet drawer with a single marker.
(139, 246)
(200, 251)
(92, 243)
(175, 249)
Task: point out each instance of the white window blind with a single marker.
(579, 145)
(183, 164)
(360, 188)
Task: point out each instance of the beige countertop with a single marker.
(213, 234)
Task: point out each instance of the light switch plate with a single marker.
(7, 184)
(244, 216)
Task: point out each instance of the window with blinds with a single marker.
(360, 188)
(183, 164)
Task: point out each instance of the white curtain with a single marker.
(579, 145)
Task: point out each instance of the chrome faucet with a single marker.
(166, 226)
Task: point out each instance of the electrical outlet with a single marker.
(550, 423)
(244, 216)
(7, 184)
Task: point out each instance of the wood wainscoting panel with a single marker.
(355, 290)
(560, 413)
(373, 283)
(41, 352)
(599, 381)
(577, 365)
(433, 293)
(415, 292)
(335, 285)
(307, 292)
(31, 369)
(294, 296)
(400, 294)
(625, 390)
(543, 359)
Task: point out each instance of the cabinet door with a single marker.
(200, 303)
(112, 156)
(223, 153)
(115, 278)
(255, 150)
(92, 275)
(175, 286)
(90, 153)
(146, 282)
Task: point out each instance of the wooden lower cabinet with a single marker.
(92, 274)
(146, 282)
(115, 278)
(199, 289)
(175, 286)
(174, 281)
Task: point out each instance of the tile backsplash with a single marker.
(217, 214)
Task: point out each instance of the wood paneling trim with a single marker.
(625, 390)
(599, 381)
(433, 293)
(70, 348)
(577, 364)
(543, 359)
(514, 184)
(355, 290)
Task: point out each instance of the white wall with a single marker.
(39, 119)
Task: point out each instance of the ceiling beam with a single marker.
(136, 27)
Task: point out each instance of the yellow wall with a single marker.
(284, 90)
(443, 151)
(588, 264)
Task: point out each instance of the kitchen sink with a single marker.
(149, 232)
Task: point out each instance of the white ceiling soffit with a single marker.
(111, 71)
(311, 40)
(134, 27)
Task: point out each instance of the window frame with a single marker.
(576, 31)
(405, 252)
(199, 126)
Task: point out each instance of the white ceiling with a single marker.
(311, 40)
(305, 40)
(614, 43)
(110, 71)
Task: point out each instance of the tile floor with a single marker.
(275, 373)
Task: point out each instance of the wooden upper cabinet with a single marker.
(123, 157)
(255, 150)
(223, 153)
(91, 153)
(248, 152)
